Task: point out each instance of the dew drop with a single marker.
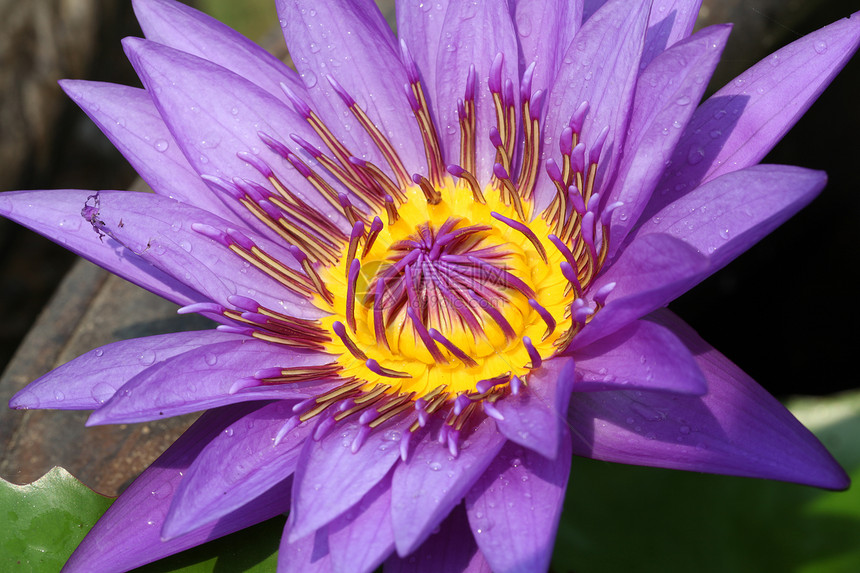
(210, 142)
(724, 234)
(146, 357)
(59, 396)
(210, 358)
(99, 352)
(695, 156)
(161, 145)
(309, 78)
(684, 430)
(435, 466)
(234, 110)
(229, 432)
(820, 47)
(102, 392)
(186, 246)
(315, 48)
(683, 100)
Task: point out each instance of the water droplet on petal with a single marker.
(435, 466)
(146, 357)
(683, 100)
(210, 358)
(695, 156)
(99, 352)
(161, 145)
(186, 246)
(820, 47)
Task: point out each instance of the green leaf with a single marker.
(44, 521)
(625, 518)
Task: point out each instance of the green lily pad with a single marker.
(44, 521)
(625, 518)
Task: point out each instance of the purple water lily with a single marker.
(438, 263)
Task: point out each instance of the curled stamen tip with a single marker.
(374, 367)
(565, 142)
(537, 104)
(526, 83)
(578, 117)
(300, 106)
(288, 426)
(597, 148)
(455, 170)
(299, 255)
(461, 402)
(223, 185)
(323, 428)
(357, 161)
(500, 171)
(516, 385)
(405, 437)
(360, 438)
(553, 171)
(495, 80)
(240, 239)
(347, 99)
(199, 307)
(241, 384)
(606, 215)
(304, 144)
(496, 137)
(491, 411)
(256, 163)
(243, 302)
(454, 442)
(271, 372)
(603, 292)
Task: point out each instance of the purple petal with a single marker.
(160, 231)
(452, 549)
(90, 380)
(56, 214)
(651, 272)
(736, 429)
(545, 29)
(419, 24)
(739, 124)
(310, 554)
(361, 538)
(670, 23)
(215, 114)
(129, 533)
(201, 378)
(641, 356)
(431, 482)
(729, 214)
(330, 478)
(132, 123)
(352, 42)
(515, 506)
(535, 417)
(600, 67)
(473, 33)
(239, 464)
(666, 96)
(183, 28)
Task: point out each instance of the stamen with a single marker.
(354, 237)
(391, 210)
(525, 230)
(375, 228)
(534, 355)
(374, 366)
(467, 117)
(379, 176)
(546, 316)
(430, 193)
(382, 142)
(351, 282)
(470, 179)
(425, 337)
(511, 194)
(318, 283)
(340, 330)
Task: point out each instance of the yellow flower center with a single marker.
(446, 296)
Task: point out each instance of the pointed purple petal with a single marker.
(183, 28)
(600, 67)
(736, 429)
(130, 120)
(352, 42)
(431, 482)
(473, 33)
(651, 272)
(452, 549)
(56, 214)
(535, 417)
(330, 478)
(310, 554)
(729, 214)
(668, 24)
(90, 380)
(666, 96)
(201, 378)
(419, 24)
(641, 356)
(361, 538)
(215, 114)
(739, 124)
(545, 29)
(237, 466)
(129, 533)
(160, 231)
(515, 506)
